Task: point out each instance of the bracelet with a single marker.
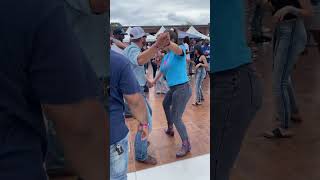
(144, 125)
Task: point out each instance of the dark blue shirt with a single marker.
(230, 49)
(41, 63)
(122, 82)
(91, 31)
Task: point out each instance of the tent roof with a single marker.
(194, 31)
(161, 30)
(151, 38)
(183, 34)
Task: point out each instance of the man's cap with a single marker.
(119, 31)
(137, 32)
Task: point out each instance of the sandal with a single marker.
(278, 133)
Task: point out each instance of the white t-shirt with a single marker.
(115, 48)
(188, 50)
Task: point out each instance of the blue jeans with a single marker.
(141, 146)
(289, 41)
(174, 105)
(119, 163)
(236, 97)
(200, 75)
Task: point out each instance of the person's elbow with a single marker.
(140, 61)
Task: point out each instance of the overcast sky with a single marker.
(160, 12)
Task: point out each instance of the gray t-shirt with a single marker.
(91, 30)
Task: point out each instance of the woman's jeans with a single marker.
(236, 97)
(119, 162)
(200, 75)
(174, 105)
(141, 146)
(290, 39)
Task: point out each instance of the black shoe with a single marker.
(150, 160)
(169, 132)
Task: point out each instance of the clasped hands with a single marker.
(163, 41)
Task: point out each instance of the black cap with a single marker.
(119, 31)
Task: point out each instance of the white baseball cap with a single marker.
(137, 32)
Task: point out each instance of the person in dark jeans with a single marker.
(173, 66)
(235, 88)
(290, 39)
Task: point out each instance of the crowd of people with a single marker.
(130, 78)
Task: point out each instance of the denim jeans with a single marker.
(119, 163)
(236, 97)
(174, 105)
(141, 146)
(289, 41)
(200, 75)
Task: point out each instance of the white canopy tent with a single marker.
(127, 37)
(151, 38)
(194, 31)
(161, 30)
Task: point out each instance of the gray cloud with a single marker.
(160, 12)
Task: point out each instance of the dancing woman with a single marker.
(173, 66)
(289, 41)
(201, 65)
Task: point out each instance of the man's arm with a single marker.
(138, 107)
(82, 130)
